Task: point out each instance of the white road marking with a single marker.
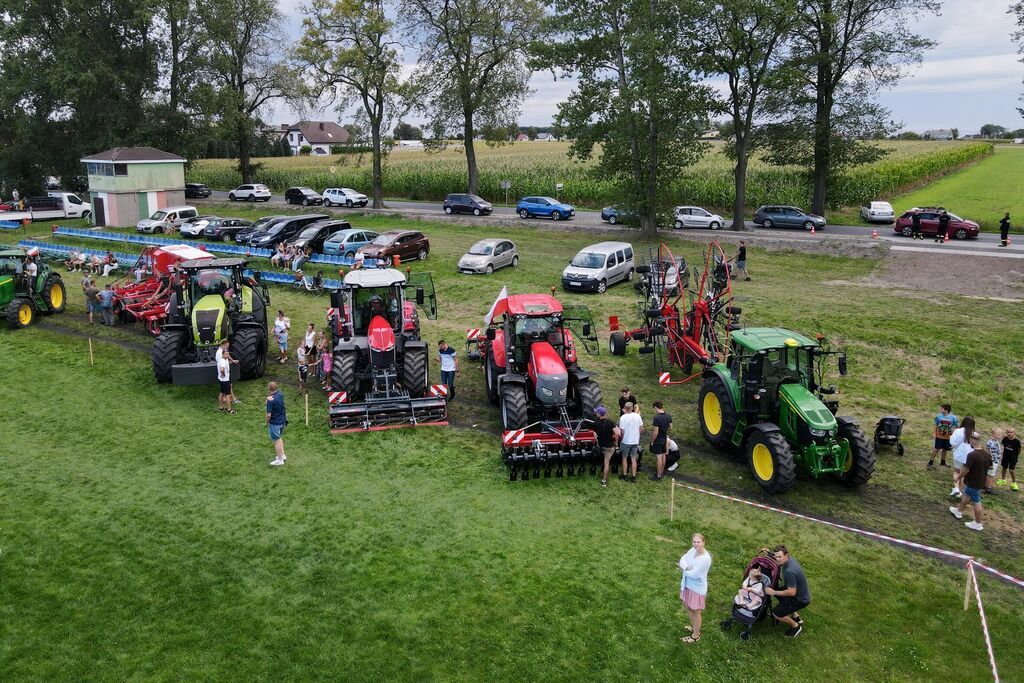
(962, 252)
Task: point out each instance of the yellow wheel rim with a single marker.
(849, 460)
(712, 411)
(764, 466)
(56, 296)
(24, 314)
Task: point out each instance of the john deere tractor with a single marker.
(22, 300)
(212, 300)
(769, 402)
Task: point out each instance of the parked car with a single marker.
(487, 256)
(773, 216)
(303, 196)
(250, 193)
(315, 234)
(880, 212)
(406, 244)
(167, 219)
(613, 214)
(245, 234)
(197, 191)
(225, 229)
(959, 228)
(466, 203)
(544, 206)
(344, 196)
(283, 230)
(194, 227)
(696, 217)
(598, 266)
(347, 242)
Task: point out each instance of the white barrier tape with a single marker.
(984, 621)
(995, 572)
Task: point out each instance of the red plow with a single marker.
(146, 300)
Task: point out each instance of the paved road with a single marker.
(986, 244)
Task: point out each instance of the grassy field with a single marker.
(156, 543)
(535, 167)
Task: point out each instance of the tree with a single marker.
(406, 131)
(245, 66)
(991, 130)
(350, 51)
(472, 71)
(844, 52)
(955, 132)
(638, 98)
(744, 40)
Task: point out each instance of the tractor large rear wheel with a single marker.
(716, 412)
(771, 461)
(54, 294)
(513, 406)
(589, 395)
(860, 464)
(249, 348)
(414, 372)
(343, 372)
(167, 350)
(20, 314)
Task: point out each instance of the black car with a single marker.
(467, 203)
(314, 234)
(245, 234)
(197, 191)
(225, 229)
(302, 195)
(284, 230)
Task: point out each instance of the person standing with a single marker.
(693, 589)
(92, 299)
(659, 439)
(1004, 231)
(630, 424)
(1011, 451)
(741, 260)
(940, 236)
(106, 298)
(302, 356)
(625, 398)
(960, 441)
(607, 435)
(277, 420)
(794, 597)
(31, 271)
(449, 366)
(945, 423)
(994, 446)
(915, 226)
(225, 400)
(974, 472)
(281, 327)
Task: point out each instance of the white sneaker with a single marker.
(976, 526)
(952, 510)
(276, 462)
(284, 457)
(954, 492)
(673, 467)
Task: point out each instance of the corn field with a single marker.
(535, 167)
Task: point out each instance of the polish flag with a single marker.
(34, 251)
(499, 306)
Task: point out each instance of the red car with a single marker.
(959, 228)
(406, 244)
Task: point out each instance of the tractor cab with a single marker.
(381, 293)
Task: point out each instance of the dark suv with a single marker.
(959, 228)
(196, 191)
(467, 203)
(284, 230)
(406, 244)
(302, 195)
(773, 216)
(314, 234)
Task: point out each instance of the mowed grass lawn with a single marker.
(144, 536)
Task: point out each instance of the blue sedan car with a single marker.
(347, 242)
(544, 206)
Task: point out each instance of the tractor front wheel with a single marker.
(20, 314)
(716, 412)
(54, 294)
(166, 352)
(513, 406)
(414, 372)
(771, 461)
(343, 372)
(617, 344)
(249, 348)
(860, 463)
(589, 395)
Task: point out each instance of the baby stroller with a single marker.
(888, 431)
(741, 615)
(313, 284)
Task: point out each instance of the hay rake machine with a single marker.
(680, 326)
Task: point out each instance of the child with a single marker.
(751, 592)
(995, 448)
(302, 354)
(945, 423)
(1011, 450)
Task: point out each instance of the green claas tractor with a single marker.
(769, 401)
(22, 300)
(212, 300)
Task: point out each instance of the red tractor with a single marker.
(529, 353)
(380, 365)
(681, 326)
(147, 299)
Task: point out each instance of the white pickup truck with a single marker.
(54, 205)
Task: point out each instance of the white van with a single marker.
(599, 265)
(167, 219)
(53, 205)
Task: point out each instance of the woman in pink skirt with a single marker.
(694, 587)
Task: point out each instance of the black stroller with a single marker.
(888, 432)
(747, 618)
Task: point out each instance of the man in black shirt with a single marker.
(1011, 451)
(625, 398)
(794, 597)
(915, 226)
(607, 435)
(659, 438)
(1004, 231)
(741, 260)
(940, 236)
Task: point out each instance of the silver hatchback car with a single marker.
(487, 256)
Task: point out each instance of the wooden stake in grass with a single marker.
(306, 396)
(672, 502)
(90, 352)
(967, 588)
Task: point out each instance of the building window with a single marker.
(120, 169)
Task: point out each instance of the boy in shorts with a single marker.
(1011, 451)
(630, 425)
(945, 423)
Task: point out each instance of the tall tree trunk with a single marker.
(244, 162)
(378, 173)
(173, 79)
(468, 133)
(739, 202)
(649, 218)
(822, 128)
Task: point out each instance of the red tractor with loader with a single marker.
(146, 300)
(380, 365)
(529, 351)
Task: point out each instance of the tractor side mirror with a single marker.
(257, 276)
(734, 370)
(586, 330)
(491, 333)
(337, 299)
(842, 364)
(421, 296)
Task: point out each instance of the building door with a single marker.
(98, 211)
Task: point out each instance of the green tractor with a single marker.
(22, 300)
(768, 400)
(212, 300)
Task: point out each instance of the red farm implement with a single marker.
(146, 299)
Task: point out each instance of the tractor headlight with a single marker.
(546, 391)
(819, 432)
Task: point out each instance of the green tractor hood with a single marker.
(808, 406)
(6, 289)
(210, 320)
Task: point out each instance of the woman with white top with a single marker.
(960, 442)
(694, 587)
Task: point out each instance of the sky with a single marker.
(972, 77)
